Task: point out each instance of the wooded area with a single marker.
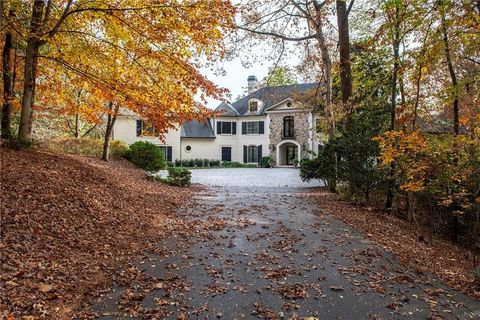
(400, 88)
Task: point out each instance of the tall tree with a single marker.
(345, 63)
(156, 41)
(451, 68)
(34, 43)
(296, 22)
(279, 76)
(8, 79)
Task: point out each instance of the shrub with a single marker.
(309, 169)
(266, 162)
(184, 163)
(177, 163)
(214, 163)
(206, 162)
(234, 164)
(118, 149)
(198, 162)
(88, 147)
(146, 155)
(190, 163)
(179, 177)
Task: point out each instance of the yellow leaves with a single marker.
(446, 168)
(139, 57)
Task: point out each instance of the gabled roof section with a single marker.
(197, 129)
(271, 96)
(226, 110)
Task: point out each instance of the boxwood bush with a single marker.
(146, 156)
(178, 177)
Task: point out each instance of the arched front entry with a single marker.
(287, 151)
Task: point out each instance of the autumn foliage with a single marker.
(141, 55)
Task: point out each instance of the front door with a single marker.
(292, 154)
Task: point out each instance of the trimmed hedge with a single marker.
(146, 156)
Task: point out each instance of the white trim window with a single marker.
(226, 127)
(252, 154)
(253, 127)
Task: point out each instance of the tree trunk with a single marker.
(327, 71)
(393, 110)
(30, 74)
(451, 70)
(111, 118)
(77, 125)
(7, 84)
(345, 66)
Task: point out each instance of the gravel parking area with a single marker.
(251, 177)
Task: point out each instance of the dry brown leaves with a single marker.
(293, 291)
(439, 257)
(68, 223)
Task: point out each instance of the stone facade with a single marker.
(301, 130)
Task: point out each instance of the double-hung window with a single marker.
(253, 127)
(252, 154)
(226, 127)
(167, 152)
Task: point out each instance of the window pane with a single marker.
(252, 154)
(253, 127)
(226, 128)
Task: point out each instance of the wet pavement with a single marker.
(269, 253)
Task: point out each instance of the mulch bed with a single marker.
(68, 224)
(439, 257)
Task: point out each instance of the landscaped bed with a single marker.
(68, 224)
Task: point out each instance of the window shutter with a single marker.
(244, 128)
(245, 153)
(169, 153)
(261, 127)
(139, 128)
(234, 128)
(259, 150)
(219, 127)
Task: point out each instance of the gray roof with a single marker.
(197, 129)
(270, 96)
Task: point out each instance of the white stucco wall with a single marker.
(239, 140)
(125, 129)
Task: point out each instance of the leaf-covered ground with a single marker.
(67, 224)
(412, 246)
(270, 253)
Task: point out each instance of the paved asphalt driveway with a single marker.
(267, 252)
(250, 177)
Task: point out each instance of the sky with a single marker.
(235, 77)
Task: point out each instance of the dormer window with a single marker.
(253, 106)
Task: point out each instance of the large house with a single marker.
(280, 122)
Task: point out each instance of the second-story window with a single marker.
(226, 127)
(253, 127)
(145, 129)
(288, 127)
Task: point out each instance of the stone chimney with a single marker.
(252, 83)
